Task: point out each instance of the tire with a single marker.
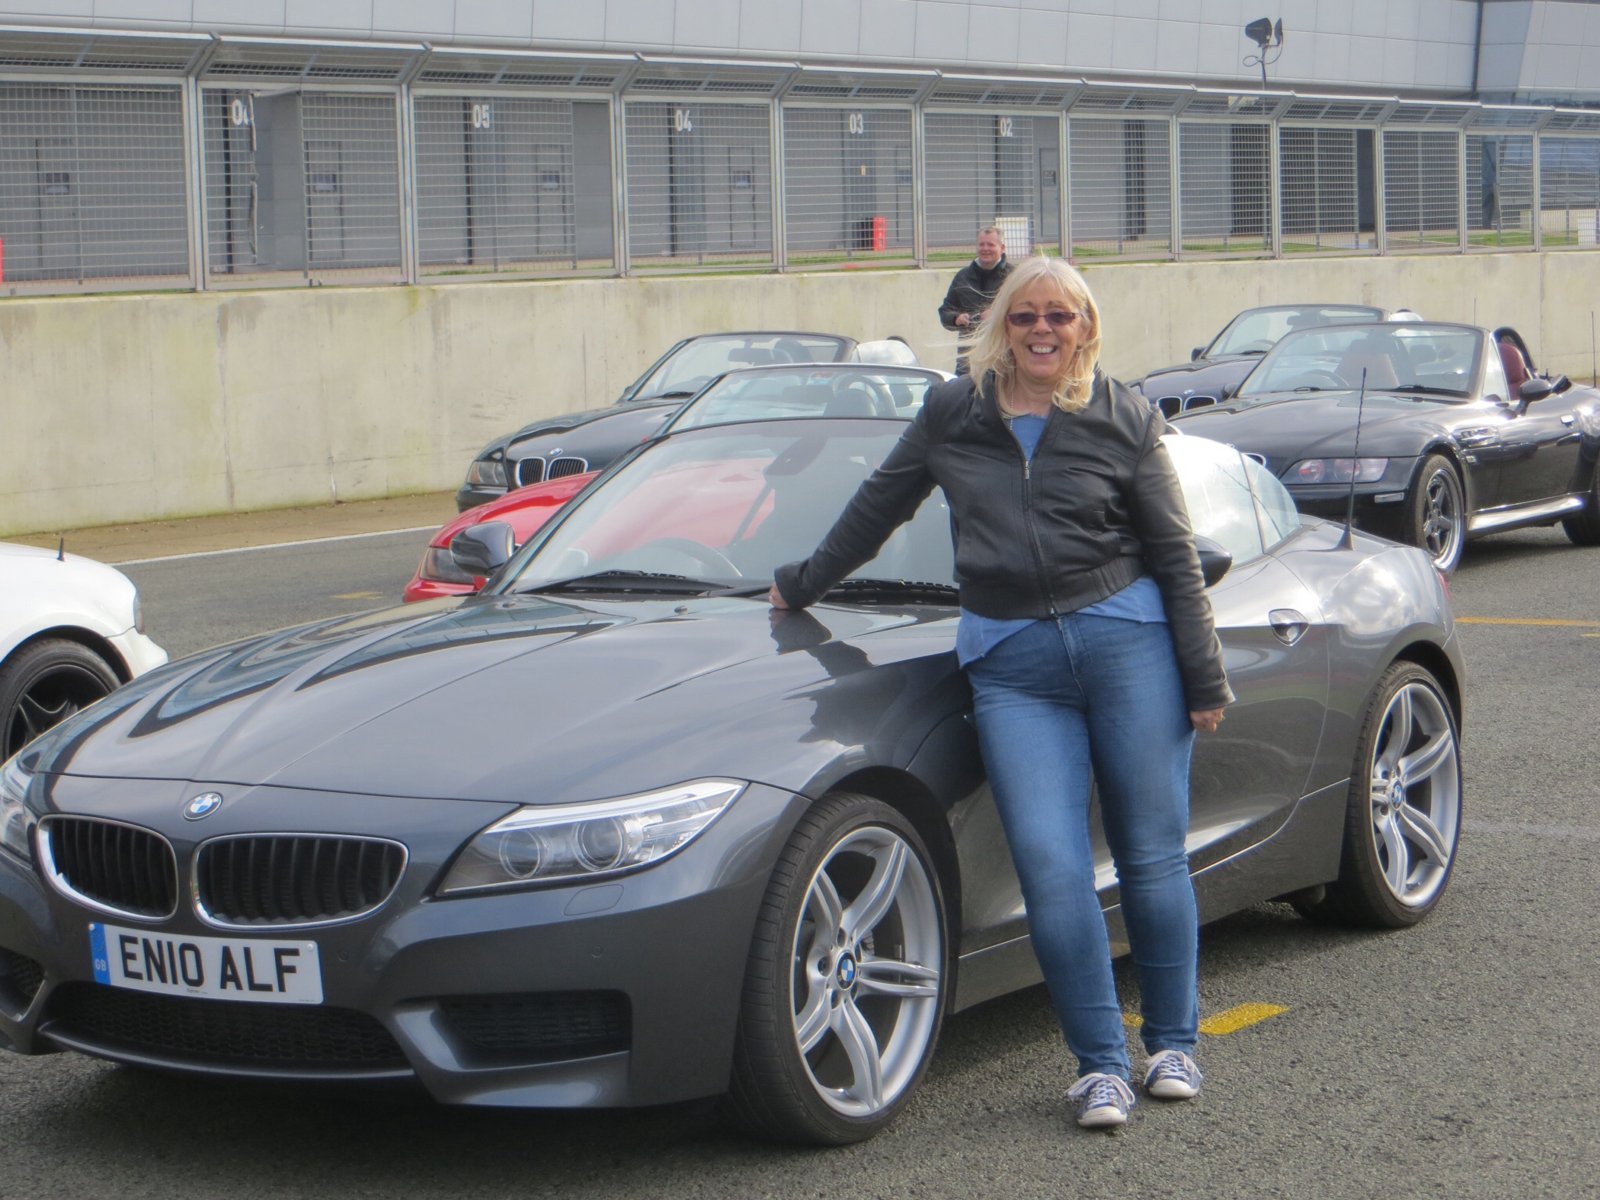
(1436, 513)
(44, 683)
(1584, 528)
(1403, 820)
(846, 986)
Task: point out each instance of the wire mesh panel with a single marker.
(1500, 191)
(980, 169)
(92, 185)
(500, 186)
(1569, 192)
(1224, 187)
(1421, 189)
(1325, 190)
(848, 185)
(301, 185)
(699, 183)
(1120, 181)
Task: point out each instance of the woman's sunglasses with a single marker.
(1056, 318)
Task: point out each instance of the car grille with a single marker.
(537, 470)
(560, 468)
(1171, 406)
(541, 1026)
(105, 1020)
(295, 879)
(20, 978)
(120, 867)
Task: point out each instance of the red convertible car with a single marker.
(769, 392)
(525, 510)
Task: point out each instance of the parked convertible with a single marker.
(751, 393)
(1449, 448)
(577, 442)
(615, 832)
(1215, 371)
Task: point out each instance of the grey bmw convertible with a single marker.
(613, 832)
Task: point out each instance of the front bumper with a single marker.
(1377, 510)
(618, 992)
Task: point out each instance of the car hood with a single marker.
(519, 699)
(1292, 425)
(1208, 375)
(576, 420)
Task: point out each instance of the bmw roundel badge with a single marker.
(202, 805)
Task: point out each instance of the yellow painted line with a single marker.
(1546, 622)
(359, 596)
(1241, 1016)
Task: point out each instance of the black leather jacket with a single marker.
(972, 290)
(1098, 506)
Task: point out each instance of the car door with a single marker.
(1541, 444)
(1245, 779)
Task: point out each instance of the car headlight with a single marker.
(1337, 470)
(487, 472)
(15, 820)
(439, 566)
(535, 846)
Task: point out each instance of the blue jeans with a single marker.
(1056, 701)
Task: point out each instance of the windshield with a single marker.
(1426, 359)
(1258, 330)
(701, 360)
(727, 505)
(852, 391)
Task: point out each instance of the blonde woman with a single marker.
(1088, 640)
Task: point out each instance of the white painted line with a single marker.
(339, 537)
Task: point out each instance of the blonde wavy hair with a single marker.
(989, 350)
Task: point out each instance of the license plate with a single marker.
(253, 969)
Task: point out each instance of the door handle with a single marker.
(1288, 625)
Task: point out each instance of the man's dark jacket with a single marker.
(1097, 507)
(972, 290)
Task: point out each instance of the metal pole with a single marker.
(619, 185)
(194, 166)
(779, 201)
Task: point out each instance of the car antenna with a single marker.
(1348, 539)
(61, 548)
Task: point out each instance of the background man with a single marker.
(974, 286)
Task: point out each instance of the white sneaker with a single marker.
(1103, 1100)
(1172, 1075)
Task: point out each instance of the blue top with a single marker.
(1140, 601)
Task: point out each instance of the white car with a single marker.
(71, 630)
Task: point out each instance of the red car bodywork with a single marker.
(525, 510)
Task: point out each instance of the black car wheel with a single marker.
(1584, 529)
(844, 993)
(44, 683)
(1403, 821)
(1436, 513)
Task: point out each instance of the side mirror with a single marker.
(1196, 353)
(1537, 388)
(483, 549)
(1214, 559)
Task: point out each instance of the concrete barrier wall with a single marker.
(131, 408)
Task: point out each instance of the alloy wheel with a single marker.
(1415, 795)
(1443, 521)
(867, 972)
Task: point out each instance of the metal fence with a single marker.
(151, 161)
